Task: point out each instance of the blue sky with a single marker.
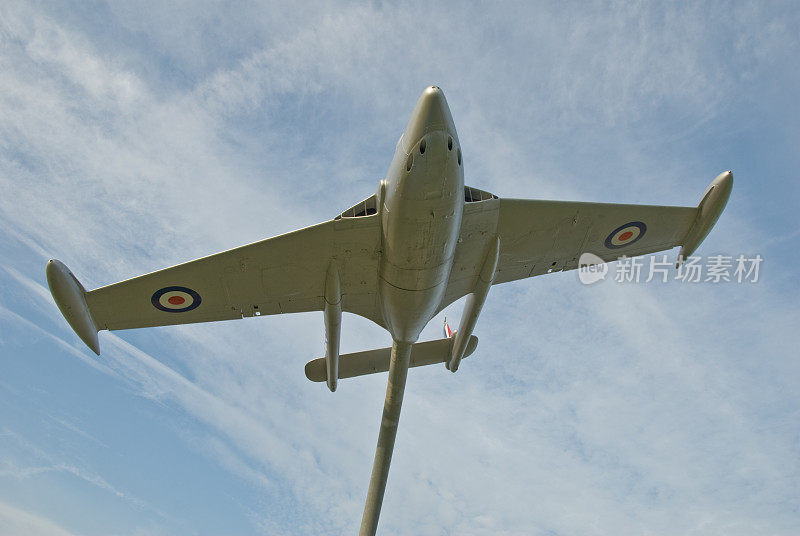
(136, 136)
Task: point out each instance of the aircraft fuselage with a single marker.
(423, 200)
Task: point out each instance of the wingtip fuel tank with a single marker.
(708, 211)
(70, 296)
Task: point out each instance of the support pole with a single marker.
(398, 371)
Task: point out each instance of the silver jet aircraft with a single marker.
(421, 242)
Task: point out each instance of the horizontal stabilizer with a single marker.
(373, 361)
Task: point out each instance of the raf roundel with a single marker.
(625, 235)
(175, 299)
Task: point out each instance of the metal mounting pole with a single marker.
(398, 371)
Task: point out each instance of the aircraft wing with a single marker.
(537, 237)
(284, 274)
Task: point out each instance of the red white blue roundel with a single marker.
(175, 299)
(625, 235)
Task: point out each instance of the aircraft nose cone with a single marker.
(431, 113)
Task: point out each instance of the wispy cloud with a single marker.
(11, 470)
(18, 522)
(24, 460)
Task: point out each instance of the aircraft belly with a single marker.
(406, 312)
(419, 256)
(415, 267)
(414, 273)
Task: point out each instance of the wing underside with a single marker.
(284, 274)
(538, 237)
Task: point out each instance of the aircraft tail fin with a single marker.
(374, 361)
(448, 333)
